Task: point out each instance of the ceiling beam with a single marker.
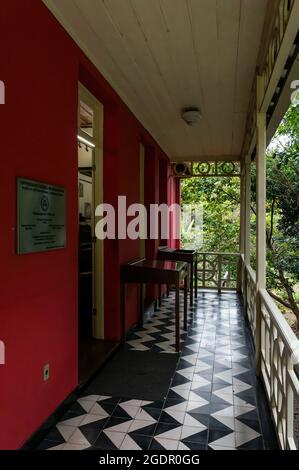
(208, 158)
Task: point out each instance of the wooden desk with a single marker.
(146, 271)
(188, 256)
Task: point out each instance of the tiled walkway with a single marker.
(211, 403)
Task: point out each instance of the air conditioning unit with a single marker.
(182, 169)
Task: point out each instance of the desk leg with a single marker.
(123, 312)
(141, 310)
(185, 301)
(191, 284)
(160, 295)
(177, 316)
(196, 276)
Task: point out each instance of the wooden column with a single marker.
(260, 215)
(242, 225)
(242, 208)
(247, 212)
(260, 193)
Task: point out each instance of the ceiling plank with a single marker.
(96, 15)
(163, 55)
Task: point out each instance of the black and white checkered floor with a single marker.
(211, 403)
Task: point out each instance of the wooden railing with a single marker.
(249, 295)
(277, 350)
(218, 270)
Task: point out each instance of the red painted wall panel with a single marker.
(174, 197)
(41, 66)
(38, 292)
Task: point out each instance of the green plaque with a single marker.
(41, 217)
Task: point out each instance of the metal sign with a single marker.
(41, 217)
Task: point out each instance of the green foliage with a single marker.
(283, 169)
(283, 201)
(282, 209)
(220, 201)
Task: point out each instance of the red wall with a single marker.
(174, 197)
(41, 66)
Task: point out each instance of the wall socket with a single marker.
(46, 372)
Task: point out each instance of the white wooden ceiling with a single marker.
(164, 55)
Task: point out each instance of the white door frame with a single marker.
(97, 185)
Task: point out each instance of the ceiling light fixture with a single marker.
(86, 142)
(191, 115)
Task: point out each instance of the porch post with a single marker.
(247, 213)
(260, 215)
(242, 208)
(247, 209)
(242, 226)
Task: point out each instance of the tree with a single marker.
(220, 198)
(220, 201)
(283, 212)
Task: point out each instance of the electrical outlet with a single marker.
(46, 372)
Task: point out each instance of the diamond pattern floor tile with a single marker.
(211, 403)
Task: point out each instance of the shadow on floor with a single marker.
(212, 401)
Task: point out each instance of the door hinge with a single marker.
(94, 239)
(94, 312)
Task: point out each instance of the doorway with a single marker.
(93, 349)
